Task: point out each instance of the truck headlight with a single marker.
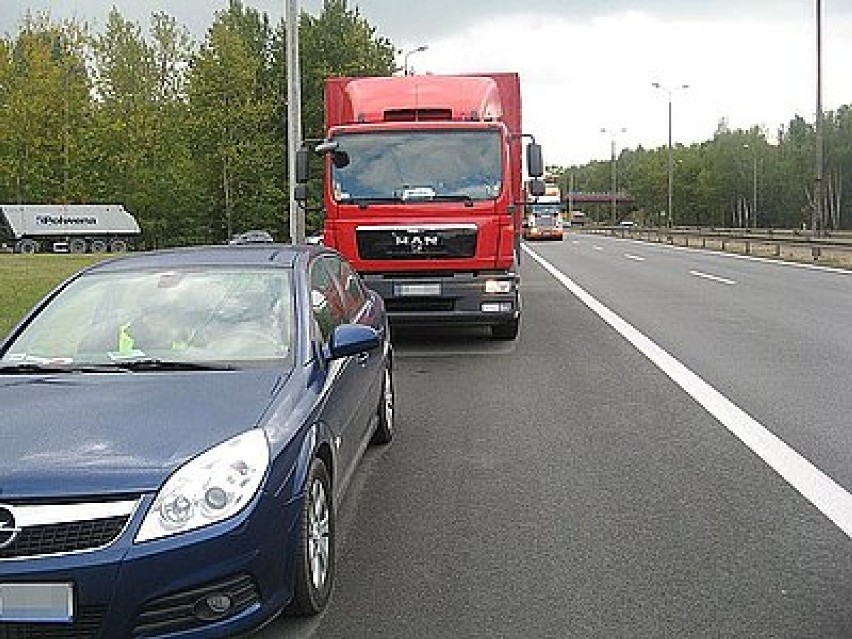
(499, 286)
(209, 488)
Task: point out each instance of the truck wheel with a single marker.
(507, 330)
(118, 246)
(99, 246)
(77, 245)
(26, 246)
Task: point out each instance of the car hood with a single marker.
(119, 433)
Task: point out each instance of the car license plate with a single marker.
(37, 602)
(404, 290)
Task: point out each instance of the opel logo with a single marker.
(8, 530)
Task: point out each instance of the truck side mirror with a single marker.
(536, 187)
(302, 165)
(535, 161)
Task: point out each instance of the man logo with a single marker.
(8, 530)
(416, 242)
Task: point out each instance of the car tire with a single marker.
(507, 330)
(385, 409)
(315, 558)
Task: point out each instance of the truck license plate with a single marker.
(405, 290)
(37, 602)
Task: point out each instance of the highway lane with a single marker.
(563, 486)
(771, 337)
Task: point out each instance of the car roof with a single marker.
(282, 255)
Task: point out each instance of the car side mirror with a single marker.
(351, 339)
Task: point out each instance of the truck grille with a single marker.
(416, 242)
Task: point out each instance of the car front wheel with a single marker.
(385, 409)
(315, 561)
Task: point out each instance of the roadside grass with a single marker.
(25, 279)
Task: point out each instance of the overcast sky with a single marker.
(588, 65)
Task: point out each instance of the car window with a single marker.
(327, 305)
(353, 290)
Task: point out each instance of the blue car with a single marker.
(177, 430)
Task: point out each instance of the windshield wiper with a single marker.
(29, 368)
(364, 202)
(155, 364)
(453, 197)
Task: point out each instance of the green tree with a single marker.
(46, 109)
(234, 129)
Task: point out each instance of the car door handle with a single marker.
(362, 358)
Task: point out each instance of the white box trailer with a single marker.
(67, 228)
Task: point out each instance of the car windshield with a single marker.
(202, 315)
(418, 165)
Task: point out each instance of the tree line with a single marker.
(190, 136)
(715, 182)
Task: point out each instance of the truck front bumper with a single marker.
(476, 299)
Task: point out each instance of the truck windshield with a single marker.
(419, 165)
(545, 209)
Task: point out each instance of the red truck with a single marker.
(423, 192)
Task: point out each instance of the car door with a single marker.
(342, 410)
(359, 309)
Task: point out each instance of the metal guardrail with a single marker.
(834, 249)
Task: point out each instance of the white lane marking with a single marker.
(635, 258)
(736, 256)
(818, 488)
(598, 248)
(713, 278)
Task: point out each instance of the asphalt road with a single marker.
(563, 485)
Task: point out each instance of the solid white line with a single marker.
(818, 488)
(713, 278)
(635, 258)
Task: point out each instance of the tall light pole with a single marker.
(613, 165)
(669, 91)
(422, 47)
(816, 222)
(753, 185)
(294, 118)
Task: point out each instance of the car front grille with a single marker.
(64, 537)
(86, 624)
(39, 530)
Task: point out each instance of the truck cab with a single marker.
(422, 192)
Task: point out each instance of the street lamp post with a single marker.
(753, 185)
(613, 165)
(817, 215)
(422, 47)
(669, 91)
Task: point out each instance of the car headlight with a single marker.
(209, 488)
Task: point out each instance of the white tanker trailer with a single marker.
(71, 228)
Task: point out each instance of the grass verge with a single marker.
(25, 279)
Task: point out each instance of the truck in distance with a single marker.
(423, 192)
(543, 219)
(67, 228)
